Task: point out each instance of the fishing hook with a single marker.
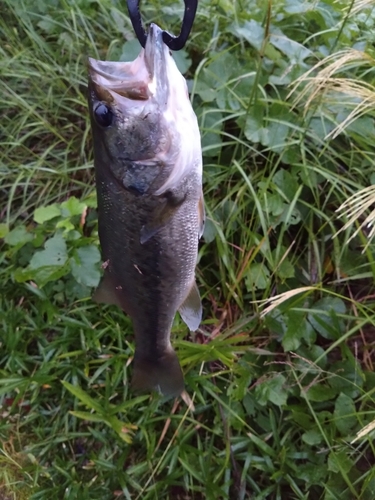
(173, 42)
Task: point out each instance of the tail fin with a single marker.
(159, 374)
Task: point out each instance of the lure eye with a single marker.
(103, 115)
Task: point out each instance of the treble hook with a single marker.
(173, 42)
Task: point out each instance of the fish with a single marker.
(148, 170)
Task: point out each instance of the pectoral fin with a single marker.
(168, 205)
(149, 230)
(191, 309)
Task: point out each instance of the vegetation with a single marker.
(281, 372)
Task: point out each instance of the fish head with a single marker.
(141, 112)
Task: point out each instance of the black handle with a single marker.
(173, 42)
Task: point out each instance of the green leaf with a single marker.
(210, 126)
(258, 277)
(271, 53)
(18, 236)
(292, 49)
(130, 50)
(41, 275)
(292, 337)
(297, 7)
(252, 31)
(344, 414)
(182, 61)
(285, 270)
(283, 267)
(273, 390)
(321, 126)
(74, 290)
(43, 214)
(311, 473)
(290, 218)
(72, 207)
(312, 437)
(209, 232)
(91, 201)
(45, 265)
(84, 265)
(347, 377)
(298, 328)
(300, 417)
(324, 317)
(254, 124)
(276, 135)
(249, 404)
(205, 91)
(65, 224)
(47, 24)
(54, 253)
(313, 352)
(339, 461)
(220, 70)
(286, 182)
(363, 125)
(276, 322)
(274, 204)
(320, 392)
(4, 230)
(351, 263)
(66, 39)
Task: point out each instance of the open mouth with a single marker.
(136, 80)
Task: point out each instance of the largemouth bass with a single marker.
(148, 168)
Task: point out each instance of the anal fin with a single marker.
(191, 309)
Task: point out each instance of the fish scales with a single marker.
(149, 185)
(161, 266)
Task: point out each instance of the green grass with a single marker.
(281, 372)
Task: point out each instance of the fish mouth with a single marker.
(141, 79)
(155, 54)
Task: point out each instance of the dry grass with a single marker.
(321, 85)
(354, 209)
(361, 5)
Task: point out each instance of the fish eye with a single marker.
(103, 115)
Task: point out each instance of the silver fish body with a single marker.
(148, 169)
